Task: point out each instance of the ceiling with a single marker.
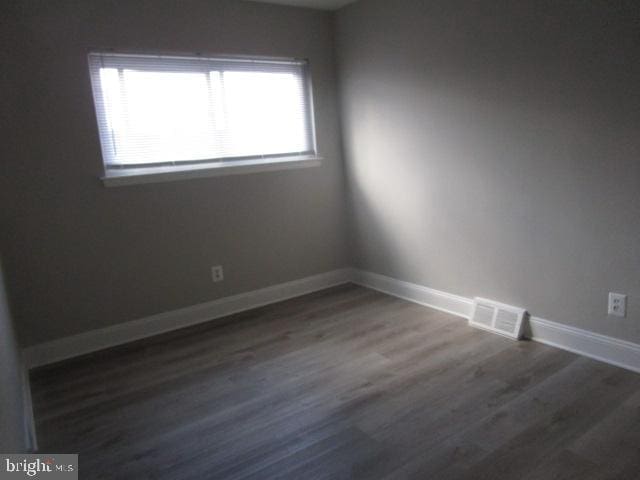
(321, 4)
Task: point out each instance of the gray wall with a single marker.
(12, 418)
(493, 149)
(12, 412)
(80, 256)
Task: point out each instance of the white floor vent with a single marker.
(498, 317)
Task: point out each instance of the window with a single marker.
(186, 111)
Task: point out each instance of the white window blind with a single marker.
(172, 110)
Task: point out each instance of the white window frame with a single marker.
(119, 175)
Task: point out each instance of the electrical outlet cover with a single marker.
(617, 304)
(217, 273)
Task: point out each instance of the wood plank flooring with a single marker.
(346, 383)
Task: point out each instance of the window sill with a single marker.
(136, 176)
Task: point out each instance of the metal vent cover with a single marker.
(498, 317)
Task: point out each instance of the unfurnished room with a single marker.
(320, 239)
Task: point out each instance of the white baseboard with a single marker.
(428, 297)
(594, 345)
(87, 342)
(600, 347)
(31, 441)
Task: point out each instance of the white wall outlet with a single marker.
(217, 274)
(617, 304)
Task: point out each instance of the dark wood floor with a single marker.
(344, 383)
